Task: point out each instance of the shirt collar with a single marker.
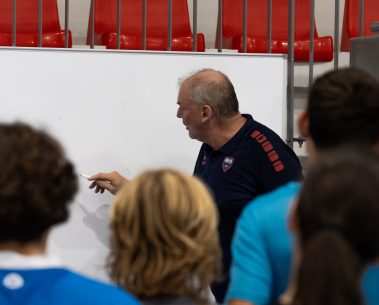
(14, 260)
(230, 146)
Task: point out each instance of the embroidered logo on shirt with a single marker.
(272, 155)
(204, 161)
(13, 281)
(227, 163)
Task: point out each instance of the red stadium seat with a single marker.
(350, 28)
(131, 25)
(27, 24)
(257, 29)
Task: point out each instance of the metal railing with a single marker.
(290, 72)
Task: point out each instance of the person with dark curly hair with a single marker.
(37, 183)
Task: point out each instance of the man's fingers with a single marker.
(98, 188)
(99, 176)
(111, 182)
(104, 185)
(93, 184)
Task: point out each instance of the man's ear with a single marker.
(206, 113)
(303, 124)
(292, 218)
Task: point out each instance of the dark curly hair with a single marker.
(36, 183)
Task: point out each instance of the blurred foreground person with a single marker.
(37, 183)
(343, 109)
(165, 246)
(337, 228)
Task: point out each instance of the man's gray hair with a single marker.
(213, 88)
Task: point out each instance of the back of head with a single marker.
(213, 88)
(343, 108)
(36, 183)
(337, 218)
(165, 239)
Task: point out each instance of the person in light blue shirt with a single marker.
(262, 251)
(343, 108)
(37, 183)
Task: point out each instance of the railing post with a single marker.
(14, 22)
(194, 25)
(336, 33)
(40, 12)
(220, 4)
(144, 10)
(269, 25)
(118, 24)
(66, 22)
(92, 24)
(361, 17)
(244, 26)
(290, 71)
(169, 29)
(311, 42)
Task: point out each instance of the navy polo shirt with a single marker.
(255, 161)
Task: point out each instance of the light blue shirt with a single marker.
(262, 251)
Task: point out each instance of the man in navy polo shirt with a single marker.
(240, 157)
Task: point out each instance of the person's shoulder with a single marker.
(259, 135)
(82, 288)
(268, 213)
(260, 128)
(273, 202)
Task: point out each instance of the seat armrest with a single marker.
(375, 27)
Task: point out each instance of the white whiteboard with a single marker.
(117, 111)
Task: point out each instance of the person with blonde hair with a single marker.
(165, 246)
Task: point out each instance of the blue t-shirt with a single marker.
(57, 286)
(255, 161)
(262, 251)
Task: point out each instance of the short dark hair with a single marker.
(36, 183)
(216, 92)
(343, 108)
(337, 218)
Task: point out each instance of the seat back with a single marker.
(27, 16)
(257, 19)
(350, 28)
(131, 18)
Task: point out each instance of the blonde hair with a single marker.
(165, 239)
